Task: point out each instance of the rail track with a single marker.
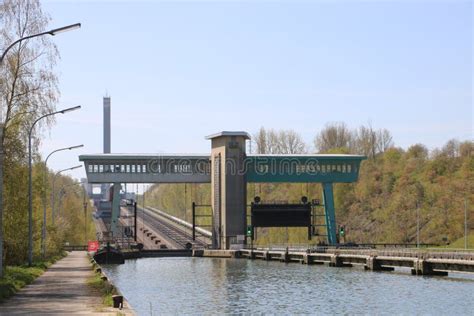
(173, 230)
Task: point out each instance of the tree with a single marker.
(261, 141)
(291, 142)
(334, 135)
(451, 149)
(279, 142)
(28, 84)
(384, 140)
(418, 151)
(366, 141)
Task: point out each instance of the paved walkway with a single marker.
(61, 290)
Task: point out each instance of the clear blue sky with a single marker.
(177, 71)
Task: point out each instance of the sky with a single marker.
(177, 71)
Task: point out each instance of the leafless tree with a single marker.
(28, 83)
(334, 136)
(451, 149)
(291, 142)
(367, 141)
(28, 89)
(278, 142)
(260, 139)
(384, 140)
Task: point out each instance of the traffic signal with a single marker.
(249, 231)
(342, 230)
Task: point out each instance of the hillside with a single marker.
(395, 188)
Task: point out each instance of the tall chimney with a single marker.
(106, 125)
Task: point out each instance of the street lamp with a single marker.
(84, 203)
(62, 192)
(2, 127)
(43, 231)
(30, 188)
(52, 191)
(51, 32)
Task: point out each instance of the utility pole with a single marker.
(143, 215)
(465, 223)
(85, 213)
(417, 226)
(135, 221)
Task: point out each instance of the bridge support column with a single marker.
(373, 264)
(336, 261)
(422, 267)
(115, 210)
(307, 259)
(228, 189)
(328, 200)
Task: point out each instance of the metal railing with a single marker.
(75, 247)
(426, 253)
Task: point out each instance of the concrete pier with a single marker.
(373, 264)
(421, 263)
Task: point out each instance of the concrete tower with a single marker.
(106, 125)
(105, 187)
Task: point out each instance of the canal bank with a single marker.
(63, 289)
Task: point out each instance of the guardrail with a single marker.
(179, 221)
(304, 247)
(75, 247)
(425, 253)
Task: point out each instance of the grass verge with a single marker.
(105, 288)
(459, 243)
(16, 277)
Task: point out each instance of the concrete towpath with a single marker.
(61, 290)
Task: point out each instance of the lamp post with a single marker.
(52, 190)
(465, 223)
(52, 32)
(417, 225)
(62, 193)
(30, 188)
(43, 232)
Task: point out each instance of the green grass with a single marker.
(104, 287)
(459, 243)
(16, 277)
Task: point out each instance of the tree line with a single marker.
(28, 90)
(398, 189)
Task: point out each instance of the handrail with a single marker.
(179, 221)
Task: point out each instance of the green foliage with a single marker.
(459, 243)
(69, 224)
(380, 207)
(29, 90)
(105, 289)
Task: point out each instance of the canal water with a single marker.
(156, 286)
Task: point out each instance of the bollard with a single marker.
(118, 301)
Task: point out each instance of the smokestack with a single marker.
(106, 125)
